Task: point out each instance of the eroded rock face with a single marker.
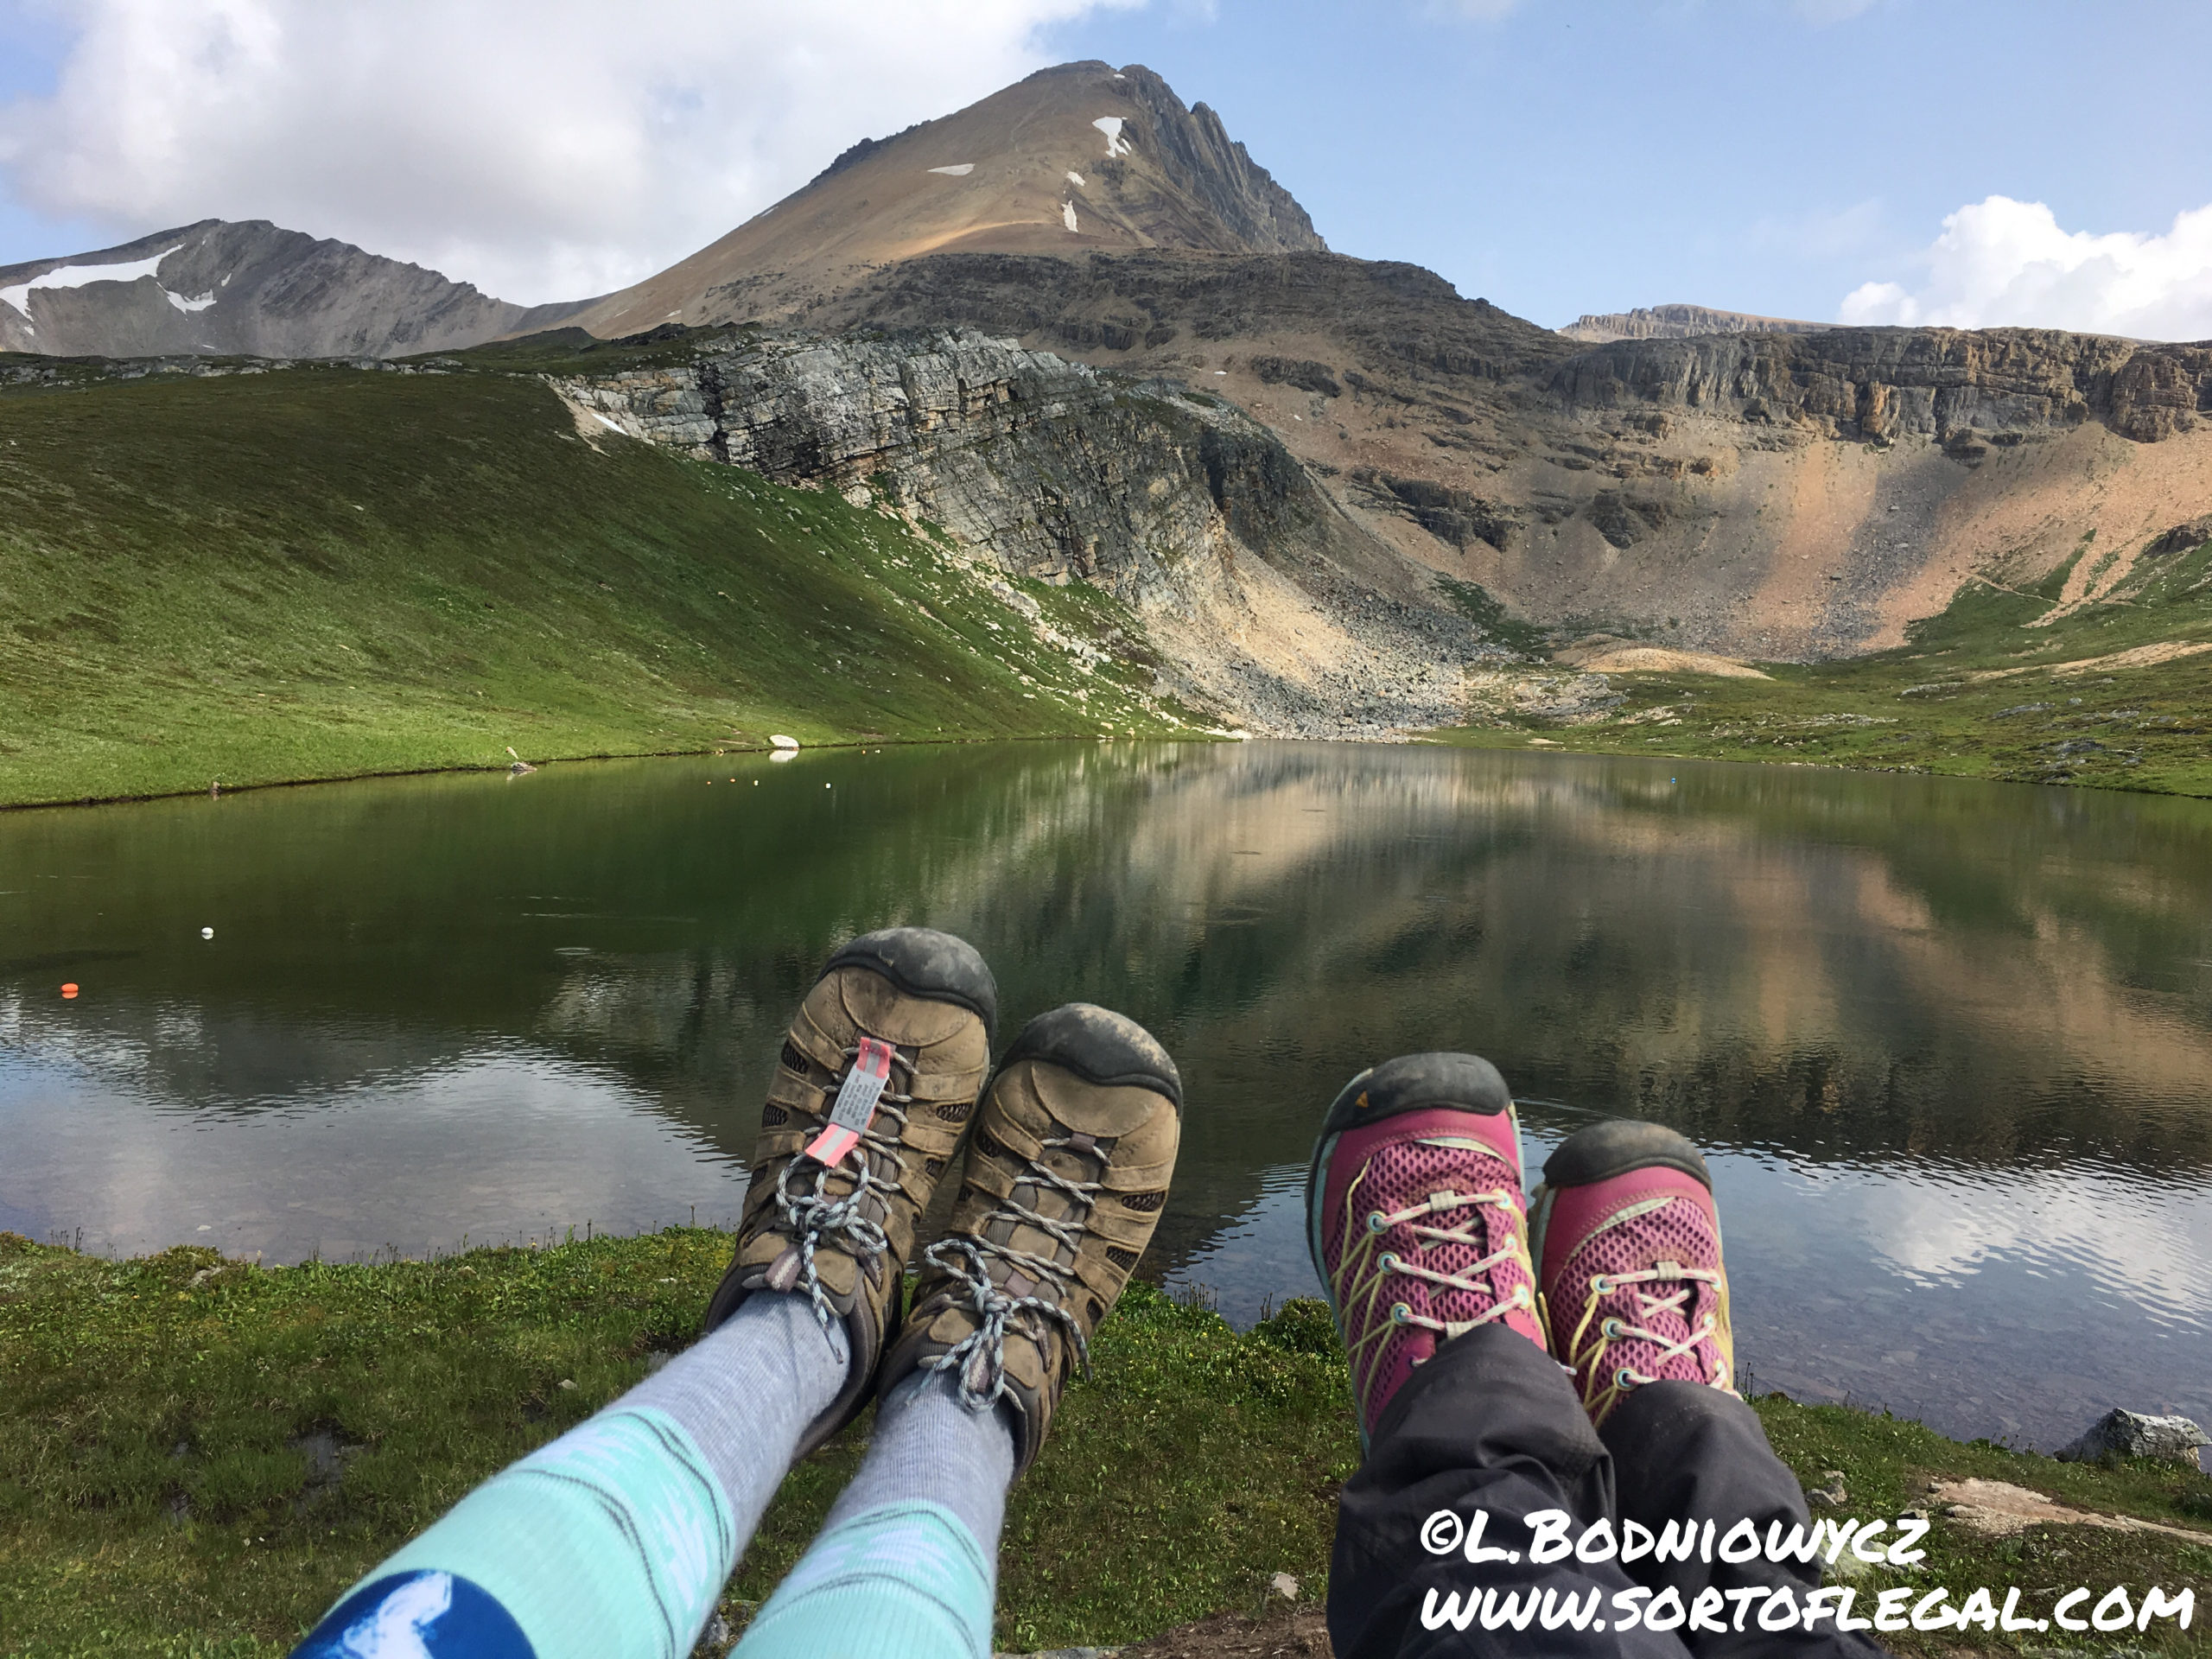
(1267, 602)
(1051, 469)
(1884, 384)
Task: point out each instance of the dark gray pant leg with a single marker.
(1491, 1423)
(1680, 1451)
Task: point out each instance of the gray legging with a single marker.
(1492, 1423)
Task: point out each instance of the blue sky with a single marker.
(1759, 156)
(1774, 156)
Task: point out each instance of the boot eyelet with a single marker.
(1610, 1328)
(1388, 1261)
(1400, 1314)
(1598, 1286)
(1377, 1221)
(1623, 1378)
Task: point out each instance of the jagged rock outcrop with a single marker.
(1681, 322)
(1265, 598)
(1210, 169)
(1051, 468)
(246, 288)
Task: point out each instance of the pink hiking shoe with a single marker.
(1627, 1244)
(1415, 1216)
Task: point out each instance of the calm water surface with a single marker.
(1949, 1044)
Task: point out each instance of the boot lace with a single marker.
(968, 1258)
(1601, 1392)
(1368, 1269)
(810, 1216)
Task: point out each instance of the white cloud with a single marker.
(542, 149)
(2004, 262)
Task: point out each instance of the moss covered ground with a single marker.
(1995, 687)
(197, 1455)
(324, 571)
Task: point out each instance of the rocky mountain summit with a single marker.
(1080, 158)
(246, 288)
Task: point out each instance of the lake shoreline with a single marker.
(1503, 740)
(836, 745)
(199, 1454)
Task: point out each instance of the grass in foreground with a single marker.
(321, 571)
(1987, 689)
(196, 1456)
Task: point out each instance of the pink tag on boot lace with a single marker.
(855, 1106)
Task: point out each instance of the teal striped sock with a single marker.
(903, 1581)
(614, 1540)
(907, 1566)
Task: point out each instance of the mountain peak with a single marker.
(248, 288)
(1079, 158)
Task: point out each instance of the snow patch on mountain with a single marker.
(1116, 144)
(959, 170)
(19, 296)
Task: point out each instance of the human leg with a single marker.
(1417, 1225)
(616, 1539)
(1627, 1242)
(1073, 1149)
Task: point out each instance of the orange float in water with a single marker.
(68, 990)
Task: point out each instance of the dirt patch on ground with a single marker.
(2165, 650)
(1611, 658)
(1300, 1634)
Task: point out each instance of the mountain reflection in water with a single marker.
(1948, 1043)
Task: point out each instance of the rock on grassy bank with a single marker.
(196, 1455)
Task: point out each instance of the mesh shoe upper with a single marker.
(1416, 1219)
(1634, 1289)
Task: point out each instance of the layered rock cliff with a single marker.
(1955, 386)
(1680, 322)
(1265, 599)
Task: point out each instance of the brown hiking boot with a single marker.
(842, 1172)
(1073, 1150)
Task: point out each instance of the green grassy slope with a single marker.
(321, 571)
(1987, 689)
(197, 1456)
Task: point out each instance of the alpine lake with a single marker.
(1948, 1045)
